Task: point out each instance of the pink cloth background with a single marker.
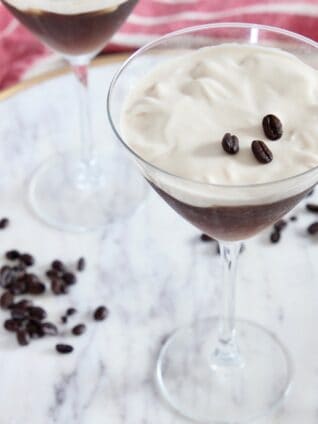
(19, 49)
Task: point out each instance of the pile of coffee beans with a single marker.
(27, 320)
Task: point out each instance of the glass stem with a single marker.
(226, 352)
(86, 133)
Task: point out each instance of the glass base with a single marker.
(70, 194)
(195, 386)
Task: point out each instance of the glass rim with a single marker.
(189, 30)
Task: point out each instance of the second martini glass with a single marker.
(73, 190)
(219, 369)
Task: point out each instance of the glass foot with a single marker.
(73, 195)
(205, 393)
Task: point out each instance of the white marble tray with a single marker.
(151, 271)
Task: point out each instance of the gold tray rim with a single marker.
(45, 76)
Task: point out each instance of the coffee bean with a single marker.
(69, 278)
(37, 313)
(261, 152)
(51, 274)
(280, 225)
(230, 144)
(313, 228)
(23, 338)
(49, 329)
(4, 222)
(36, 288)
(206, 238)
(58, 265)
(23, 304)
(6, 276)
(12, 255)
(79, 329)
(27, 259)
(34, 329)
(293, 218)
(57, 286)
(101, 313)
(64, 319)
(12, 325)
(71, 311)
(312, 207)
(6, 300)
(17, 287)
(19, 313)
(275, 236)
(272, 127)
(64, 348)
(81, 264)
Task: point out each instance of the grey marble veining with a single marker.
(154, 275)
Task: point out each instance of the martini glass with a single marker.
(219, 369)
(73, 190)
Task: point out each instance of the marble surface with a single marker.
(152, 272)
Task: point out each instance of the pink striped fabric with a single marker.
(152, 18)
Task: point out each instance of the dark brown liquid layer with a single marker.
(232, 222)
(74, 34)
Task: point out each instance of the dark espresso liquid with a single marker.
(232, 222)
(76, 34)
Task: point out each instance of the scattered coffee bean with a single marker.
(64, 319)
(12, 325)
(261, 152)
(58, 287)
(81, 264)
(12, 255)
(230, 144)
(64, 348)
(100, 313)
(23, 338)
(37, 313)
(36, 288)
(280, 225)
(313, 228)
(49, 329)
(19, 313)
(27, 259)
(71, 311)
(312, 207)
(4, 222)
(51, 274)
(275, 236)
(293, 218)
(34, 329)
(79, 329)
(23, 304)
(69, 278)
(206, 237)
(272, 127)
(58, 265)
(6, 300)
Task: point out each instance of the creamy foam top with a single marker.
(67, 7)
(176, 116)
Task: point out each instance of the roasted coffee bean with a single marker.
(34, 329)
(6, 300)
(27, 259)
(71, 311)
(261, 152)
(64, 319)
(293, 218)
(69, 278)
(312, 207)
(101, 313)
(280, 225)
(37, 313)
(23, 338)
(313, 228)
(23, 304)
(64, 348)
(17, 287)
(4, 222)
(81, 264)
(51, 274)
(49, 329)
(12, 255)
(230, 144)
(6, 276)
(19, 313)
(206, 237)
(58, 265)
(79, 329)
(58, 287)
(275, 236)
(12, 325)
(36, 288)
(272, 127)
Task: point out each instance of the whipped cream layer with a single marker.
(66, 7)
